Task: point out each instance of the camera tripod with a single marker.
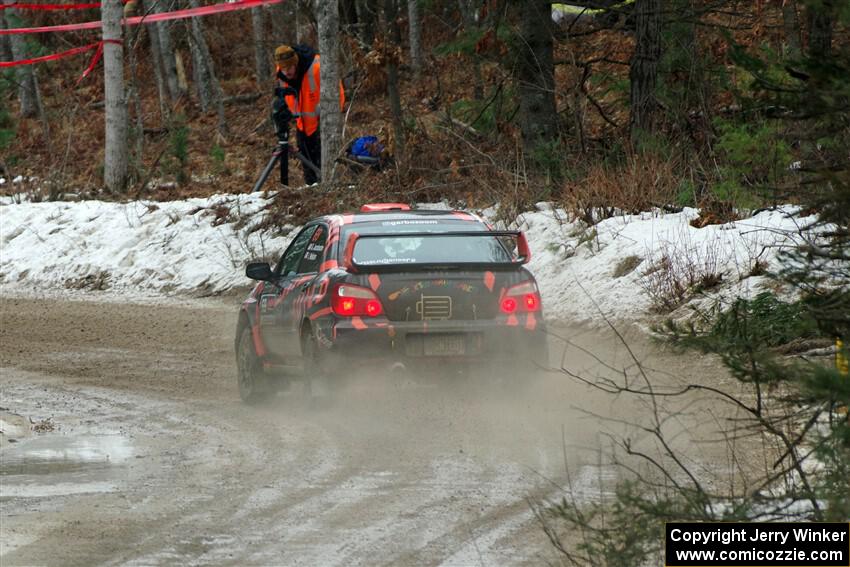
(282, 117)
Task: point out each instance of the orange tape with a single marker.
(30, 6)
(150, 18)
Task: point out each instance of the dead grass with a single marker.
(680, 271)
(626, 266)
(641, 183)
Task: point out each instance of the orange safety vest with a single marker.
(306, 102)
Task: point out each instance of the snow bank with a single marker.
(202, 245)
(196, 245)
(581, 269)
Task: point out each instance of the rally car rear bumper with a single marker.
(421, 343)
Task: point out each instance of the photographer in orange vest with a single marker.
(298, 69)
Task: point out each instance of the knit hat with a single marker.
(285, 56)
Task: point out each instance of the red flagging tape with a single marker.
(150, 18)
(97, 55)
(28, 6)
(98, 45)
(52, 57)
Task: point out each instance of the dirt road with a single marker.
(143, 454)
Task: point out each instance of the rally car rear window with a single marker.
(401, 249)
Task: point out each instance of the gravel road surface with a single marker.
(124, 442)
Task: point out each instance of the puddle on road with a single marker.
(53, 465)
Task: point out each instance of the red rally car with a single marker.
(390, 286)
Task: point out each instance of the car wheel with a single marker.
(248, 371)
(312, 360)
(317, 376)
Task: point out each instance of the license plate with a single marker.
(444, 345)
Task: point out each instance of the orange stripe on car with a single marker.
(259, 347)
(531, 322)
(321, 313)
(489, 280)
(358, 323)
(328, 265)
(374, 281)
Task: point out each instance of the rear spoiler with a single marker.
(523, 251)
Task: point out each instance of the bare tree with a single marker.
(283, 22)
(209, 89)
(156, 60)
(261, 57)
(391, 14)
(469, 13)
(330, 114)
(643, 72)
(415, 36)
(167, 51)
(5, 55)
(791, 27)
(116, 154)
(5, 46)
(367, 16)
(348, 16)
(820, 17)
(536, 74)
(136, 138)
(304, 19)
(28, 92)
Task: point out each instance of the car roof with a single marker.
(381, 216)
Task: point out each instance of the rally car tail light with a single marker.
(355, 301)
(521, 298)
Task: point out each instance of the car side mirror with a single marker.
(259, 271)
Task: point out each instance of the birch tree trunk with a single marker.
(536, 74)
(28, 93)
(261, 56)
(166, 50)
(330, 113)
(643, 72)
(415, 37)
(115, 157)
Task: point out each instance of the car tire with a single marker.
(320, 379)
(249, 373)
(312, 360)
